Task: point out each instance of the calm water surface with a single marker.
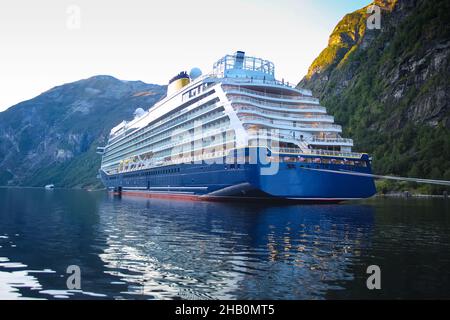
(132, 248)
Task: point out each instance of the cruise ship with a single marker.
(235, 133)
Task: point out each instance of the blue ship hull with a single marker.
(294, 181)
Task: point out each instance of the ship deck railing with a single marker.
(249, 80)
(329, 140)
(230, 89)
(244, 99)
(160, 162)
(318, 126)
(280, 114)
(317, 152)
(143, 145)
(246, 63)
(159, 130)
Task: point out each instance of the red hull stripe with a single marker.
(161, 195)
(191, 197)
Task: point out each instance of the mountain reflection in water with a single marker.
(133, 248)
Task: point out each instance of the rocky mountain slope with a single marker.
(53, 137)
(390, 88)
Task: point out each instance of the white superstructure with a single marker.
(227, 108)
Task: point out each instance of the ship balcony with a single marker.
(271, 96)
(317, 152)
(276, 106)
(184, 155)
(243, 109)
(188, 138)
(264, 138)
(149, 143)
(183, 119)
(289, 125)
(330, 141)
(248, 81)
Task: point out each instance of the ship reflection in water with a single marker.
(216, 250)
(136, 248)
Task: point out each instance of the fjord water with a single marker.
(134, 248)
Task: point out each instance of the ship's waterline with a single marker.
(235, 126)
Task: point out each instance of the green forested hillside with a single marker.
(390, 88)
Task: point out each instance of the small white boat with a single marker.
(50, 186)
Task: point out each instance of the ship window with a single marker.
(349, 162)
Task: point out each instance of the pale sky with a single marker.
(43, 44)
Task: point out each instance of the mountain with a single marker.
(390, 87)
(53, 137)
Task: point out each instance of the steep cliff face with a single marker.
(53, 137)
(390, 88)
